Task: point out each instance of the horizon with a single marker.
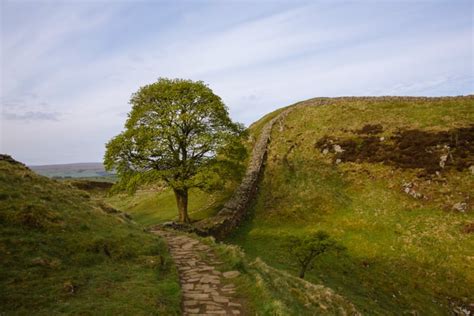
(69, 82)
(101, 162)
(67, 164)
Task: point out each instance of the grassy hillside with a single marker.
(62, 253)
(368, 171)
(155, 206)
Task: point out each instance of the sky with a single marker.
(68, 68)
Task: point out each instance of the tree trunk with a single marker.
(182, 202)
(302, 271)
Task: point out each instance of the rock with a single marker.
(69, 287)
(471, 168)
(325, 151)
(442, 160)
(338, 149)
(221, 312)
(213, 308)
(220, 299)
(338, 161)
(39, 261)
(188, 246)
(196, 296)
(460, 207)
(188, 286)
(409, 188)
(231, 274)
(192, 310)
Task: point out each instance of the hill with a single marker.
(391, 178)
(63, 253)
(74, 170)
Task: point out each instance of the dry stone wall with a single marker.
(235, 210)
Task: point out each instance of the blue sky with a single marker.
(68, 68)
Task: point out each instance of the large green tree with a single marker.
(178, 132)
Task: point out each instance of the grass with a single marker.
(263, 290)
(151, 207)
(404, 255)
(61, 253)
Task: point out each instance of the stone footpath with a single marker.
(206, 290)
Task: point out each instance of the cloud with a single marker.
(77, 63)
(31, 116)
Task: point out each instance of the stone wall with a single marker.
(235, 210)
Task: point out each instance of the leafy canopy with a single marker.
(306, 249)
(178, 131)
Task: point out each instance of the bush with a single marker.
(306, 249)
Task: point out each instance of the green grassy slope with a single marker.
(60, 252)
(409, 247)
(151, 207)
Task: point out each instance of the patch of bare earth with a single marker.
(428, 150)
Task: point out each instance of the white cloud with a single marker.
(256, 65)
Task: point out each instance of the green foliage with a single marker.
(306, 249)
(61, 253)
(178, 131)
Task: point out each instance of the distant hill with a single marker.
(73, 170)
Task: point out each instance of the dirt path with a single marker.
(206, 291)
